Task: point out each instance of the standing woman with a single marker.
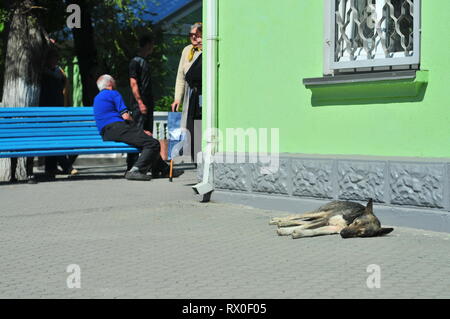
(188, 87)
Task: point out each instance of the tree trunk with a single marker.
(86, 53)
(3, 34)
(23, 64)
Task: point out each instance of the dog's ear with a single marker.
(384, 231)
(369, 207)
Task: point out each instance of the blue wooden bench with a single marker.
(52, 131)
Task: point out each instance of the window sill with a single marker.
(368, 88)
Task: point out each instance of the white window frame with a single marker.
(331, 67)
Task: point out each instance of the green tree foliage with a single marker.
(117, 26)
(121, 18)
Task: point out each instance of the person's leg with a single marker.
(50, 167)
(193, 114)
(150, 155)
(131, 160)
(66, 164)
(145, 122)
(29, 169)
(148, 123)
(133, 135)
(13, 178)
(137, 118)
(160, 168)
(190, 145)
(72, 159)
(63, 161)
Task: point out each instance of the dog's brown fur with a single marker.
(349, 219)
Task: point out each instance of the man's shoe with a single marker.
(137, 176)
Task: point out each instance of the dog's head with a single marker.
(366, 225)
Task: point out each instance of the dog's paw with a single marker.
(296, 235)
(273, 221)
(284, 231)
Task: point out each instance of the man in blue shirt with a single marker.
(115, 124)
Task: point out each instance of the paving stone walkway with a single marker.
(155, 240)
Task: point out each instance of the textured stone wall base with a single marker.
(396, 182)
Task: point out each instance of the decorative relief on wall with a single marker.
(270, 182)
(312, 178)
(361, 180)
(411, 184)
(230, 176)
(417, 185)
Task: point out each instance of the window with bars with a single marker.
(371, 35)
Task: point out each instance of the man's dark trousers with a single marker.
(131, 134)
(143, 121)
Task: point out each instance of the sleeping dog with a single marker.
(346, 218)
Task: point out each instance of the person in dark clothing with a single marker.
(115, 123)
(194, 80)
(53, 83)
(141, 100)
(53, 93)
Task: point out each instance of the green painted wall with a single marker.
(267, 47)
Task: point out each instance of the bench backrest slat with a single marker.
(43, 125)
(48, 133)
(47, 110)
(13, 140)
(51, 131)
(48, 145)
(63, 119)
(112, 150)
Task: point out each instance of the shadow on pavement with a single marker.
(104, 172)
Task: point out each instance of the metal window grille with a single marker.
(372, 34)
